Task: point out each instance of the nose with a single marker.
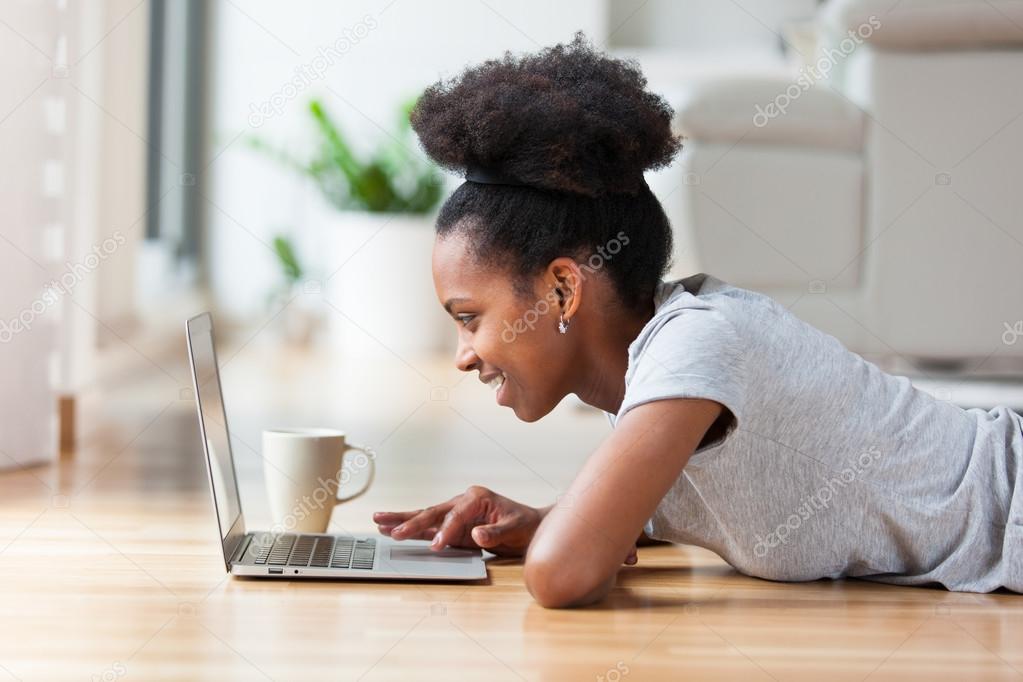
(465, 357)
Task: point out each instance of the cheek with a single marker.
(520, 341)
(488, 346)
(525, 353)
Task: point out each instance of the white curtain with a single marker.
(46, 333)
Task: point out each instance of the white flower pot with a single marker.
(378, 284)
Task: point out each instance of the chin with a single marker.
(530, 414)
(527, 416)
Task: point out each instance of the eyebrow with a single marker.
(452, 301)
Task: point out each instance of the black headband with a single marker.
(490, 177)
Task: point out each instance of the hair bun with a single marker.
(566, 118)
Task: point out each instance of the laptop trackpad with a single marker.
(425, 554)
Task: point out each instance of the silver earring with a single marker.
(562, 325)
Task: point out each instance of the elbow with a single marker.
(560, 585)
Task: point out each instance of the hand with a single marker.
(478, 518)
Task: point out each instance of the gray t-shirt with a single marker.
(829, 466)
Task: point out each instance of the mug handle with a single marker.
(369, 478)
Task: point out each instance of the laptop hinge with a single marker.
(242, 546)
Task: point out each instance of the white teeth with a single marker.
(496, 382)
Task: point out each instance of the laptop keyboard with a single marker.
(322, 551)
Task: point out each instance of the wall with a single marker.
(259, 49)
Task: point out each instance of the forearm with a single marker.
(578, 549)
(565, 568)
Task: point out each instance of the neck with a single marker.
(604, 356)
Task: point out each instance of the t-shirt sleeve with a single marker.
(695, 353)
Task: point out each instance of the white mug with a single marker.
(305, 471)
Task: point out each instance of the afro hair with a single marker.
(566, 119)
(577, 129)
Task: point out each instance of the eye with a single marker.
(465, 318)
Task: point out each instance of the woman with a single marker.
(737, 427)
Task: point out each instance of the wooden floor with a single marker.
(110, 568)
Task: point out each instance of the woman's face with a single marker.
(503, 335)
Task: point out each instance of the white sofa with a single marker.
(884, 203)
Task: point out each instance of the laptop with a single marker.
(298, 555)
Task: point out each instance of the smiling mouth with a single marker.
(497, 382)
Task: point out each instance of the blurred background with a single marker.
(858, 160)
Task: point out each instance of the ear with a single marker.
(564, 276)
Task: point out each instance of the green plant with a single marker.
(288, 261)
(392, 180)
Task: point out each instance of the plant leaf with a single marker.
(286, 256)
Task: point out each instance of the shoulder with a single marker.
(692, 348)
(689, 314)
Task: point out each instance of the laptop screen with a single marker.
(206, 380)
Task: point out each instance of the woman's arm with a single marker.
(578, 547)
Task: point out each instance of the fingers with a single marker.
(494, 534)
(424, 535)
(412, 524)
(632, 557)
(458, 522)
(386, 521)
(393, 518)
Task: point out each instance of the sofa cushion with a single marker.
(927, 24)
(770, 110)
